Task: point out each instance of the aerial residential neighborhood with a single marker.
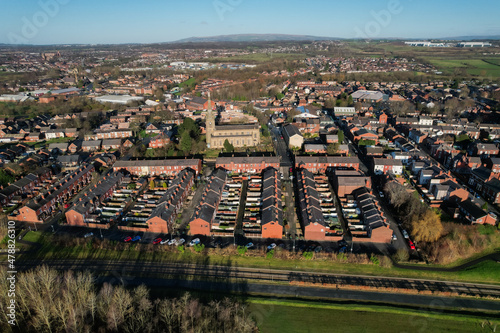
(152, 181)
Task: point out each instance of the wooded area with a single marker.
(50, 301)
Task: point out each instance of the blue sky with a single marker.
(126, 21)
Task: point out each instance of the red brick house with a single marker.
(158, 167)
(249, 164)
(45, 205)
(319, 164)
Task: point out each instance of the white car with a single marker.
(180, 241)
(272, 246)
(90, 234)
(194, 242)
(172, 242)
(405, 234)
(165, 241)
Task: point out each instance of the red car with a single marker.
(157, 241)
(412, 246)
(127, 239)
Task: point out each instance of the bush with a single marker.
(270, 254)
(308, 254)
(486, 229)
(375, 260)
(242, 249)
(181, 248)
(401, 255)
(199, 247)
(342, 257)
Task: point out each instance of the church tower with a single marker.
(210, 122)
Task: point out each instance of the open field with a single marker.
(481, 63)
(257, 58)
(485, 272)
(476, 67)
(296, 316)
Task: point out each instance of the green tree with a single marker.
(340, 134)
(6, 178)
(332, 148)
(228, 147)
(189, 126)
(186, 142)
(152, 185)
(484, 206)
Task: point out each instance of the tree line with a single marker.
(50, 301)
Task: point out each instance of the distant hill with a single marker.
(253, 38)
(471, 38)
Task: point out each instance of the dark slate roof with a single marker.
(474, 210)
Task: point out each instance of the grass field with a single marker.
(485, 272)
(469, 61)
(477, 67)
(296, 316)
(257, 58)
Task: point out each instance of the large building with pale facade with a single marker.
(239, 135)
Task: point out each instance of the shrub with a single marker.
(242, 249)
(401, 255)
(486, 229)
(270, 254)
(181, 248)
(342, 257)
(199, 247)
(308, 254)
(375, 260)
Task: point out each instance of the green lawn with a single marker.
(486, 272)
(188, 82)
(296, 316)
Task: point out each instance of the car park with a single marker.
(157, 241)
(127, 239)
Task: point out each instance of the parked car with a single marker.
(249, 245)
(381, 194)
(165, 241)
(394, 237)
(90, 234)
(180, 241)
(157, 241)
(272, 246)
(412, 245)
(172, 242)
(342, 243)
(405, 234)
(136, 239)
(127, 239)
(194, 242)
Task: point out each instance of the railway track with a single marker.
(226, 273)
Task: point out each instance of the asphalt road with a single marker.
(132, 272)
(280, 146)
